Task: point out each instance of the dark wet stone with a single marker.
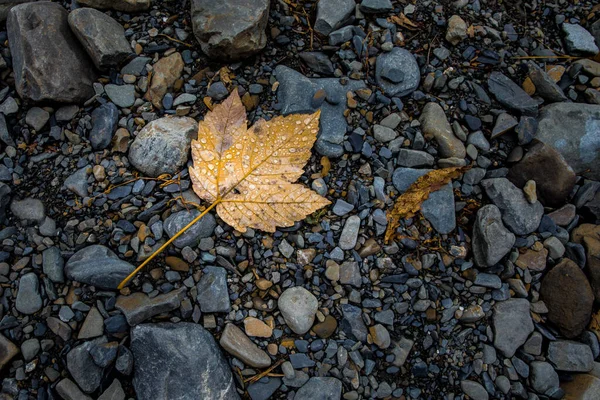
(98, 266)
(510, 95)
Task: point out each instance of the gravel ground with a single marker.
(490, 292)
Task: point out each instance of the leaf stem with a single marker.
(164, 246)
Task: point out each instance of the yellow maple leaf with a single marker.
(247, 174)
(409, 203)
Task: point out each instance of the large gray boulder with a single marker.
(179, 361)
(99, 266)
(574, 130)
(48, 61)
(102, 37)
(6, 5)
(230, 29)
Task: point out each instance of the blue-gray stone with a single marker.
(320, 388)
(201, 229)
(213, 295)
(104, 124)
(98, 266)
(397, 72)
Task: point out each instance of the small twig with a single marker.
(266, 372)
(175, 40)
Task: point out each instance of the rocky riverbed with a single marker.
(490, 292)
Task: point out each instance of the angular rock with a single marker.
(121, 5)
(434, 124)
(49, 63)
(349, 233)
(569, 298)
(474, 390)
(6, 5)
(53, 264)
(491, 240)
(114, 392)
(29, 300)
(28, 210)
(122, 95)
(298, 307)
(138, 307)
(179, 361)
(201, 229)
(376, 6)
(570, 356)
(317, 61)
(98, 266)
(102, 37)
(518, 214)
(545, 87)
(68, 390)
(93, 325)
(457, 30)
(352, 323)
(331, 15)
(554, 182)
(578, 40)
(82, 367)
(213, 295)
(350, 274)
(296, 94)
(504, 123)
(236, 343)
(164, 74)
(7, 351)
(438, 209)
(322, 388)
(512, 325)
(572, 129)
(36, 118)
(230, 30)
(510, 95)
(104, 124)
(543, 378)
(397, 72)
(163, 146)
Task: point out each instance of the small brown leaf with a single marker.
(404, 22)
(409, 203)
(326, 164)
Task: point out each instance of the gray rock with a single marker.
(296, 94)
(350, 274)
(213, 295)
(318, 61)
(121, 5)
(68, 390)
(581, 146)
(102, 37)
(438, 209)
(510, 95)
(53, 264)
(201, 229)
(98, 266)
(93, 325)
(136, 67)
(138, 307)
(217, 91)
(30, 348)
(491, 240)
(512, 325)
(114, 392)
(545, 87)
(342, 207)
(474, 390)
(578, 40)
(37, 118)
(29, 300)
(352, 323)
(230, 30)
(4, 200)
(435, 125)
(570, 356)
(320, 388)
(298, 307)
(376, 6)
(163, 146)
(104, 124)
(77, 182)
(397, 72)
(543, 378)
(179, 361)
(82, 367)
(341, 35)
(349, 234)
(518, 214)
(66, 113)
(236, 343)
(39, 36)
(332, 14)
(264, 388)
(28, 210)
(5, 135)
(415, 158)
(122, 95)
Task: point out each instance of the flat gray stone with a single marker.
(491, 240)
(213, 295)
(512, 325)
(510, 95)
(138, 307)
(331, 15)
(179, 361)
(298, 307)
(98, 266)
(29, 300)
(397, 72)
(578, 40)
(320, 388)
(570, 356)
(236, 343)
(201, 229)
